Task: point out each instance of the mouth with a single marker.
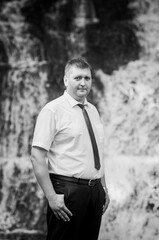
(82, 89)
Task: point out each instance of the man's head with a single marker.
(78, 78)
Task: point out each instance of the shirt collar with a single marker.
(73, 102)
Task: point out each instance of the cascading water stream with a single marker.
(130, 111)
(130, 103)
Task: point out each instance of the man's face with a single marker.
(78, 82)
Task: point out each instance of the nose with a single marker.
(82, 82)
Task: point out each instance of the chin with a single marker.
(84, 94)
(81, 98)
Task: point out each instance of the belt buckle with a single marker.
(90, 183)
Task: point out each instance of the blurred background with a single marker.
(120, 38)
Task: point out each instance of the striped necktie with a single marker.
(92, 137)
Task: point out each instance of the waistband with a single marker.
(89, 182)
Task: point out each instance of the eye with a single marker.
(78, 78)
(87, 78)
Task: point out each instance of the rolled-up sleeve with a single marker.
(45, 129)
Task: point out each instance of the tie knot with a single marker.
(81, 106)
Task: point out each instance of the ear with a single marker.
(65, 81)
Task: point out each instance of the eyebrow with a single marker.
(82, 75)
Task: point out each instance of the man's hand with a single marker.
(59, 208)
(107, 200)
(56, 201)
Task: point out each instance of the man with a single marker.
(68, 160)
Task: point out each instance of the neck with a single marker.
(81, 101)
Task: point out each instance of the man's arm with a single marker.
(107, 200)
(56, 201)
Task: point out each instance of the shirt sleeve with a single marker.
(45, 129)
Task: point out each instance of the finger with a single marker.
(105, 206)
(57, 216)
(64, 216)
(104, 209)
(61, 216)
(67, 211)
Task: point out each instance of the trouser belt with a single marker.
(89, 182)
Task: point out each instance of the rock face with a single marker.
(36, 40)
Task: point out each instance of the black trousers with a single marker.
(86, 203)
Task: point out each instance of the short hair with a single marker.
(79, 62)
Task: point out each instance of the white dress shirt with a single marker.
(62, 131)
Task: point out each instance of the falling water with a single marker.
(130, 105)
(130, 111)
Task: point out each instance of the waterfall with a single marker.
(25, 84)
(130, 112)
(130, 103)
(23, 93)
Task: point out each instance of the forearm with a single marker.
(104, 184)
(56, 201)
(107, 200)
(42, 174)
(103, 181)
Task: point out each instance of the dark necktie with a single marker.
(92, 137)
